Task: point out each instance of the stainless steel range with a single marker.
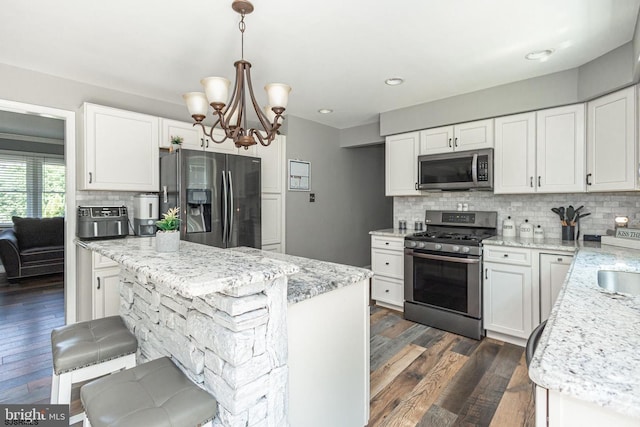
(443, 271)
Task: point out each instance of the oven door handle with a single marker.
(447, 258)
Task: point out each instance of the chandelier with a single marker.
(231, 116)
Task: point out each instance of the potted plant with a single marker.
(168, 234)
(176, 142)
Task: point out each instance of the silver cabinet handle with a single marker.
(539, 184)
(98, 283)
(90, 177)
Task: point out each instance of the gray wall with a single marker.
(361, 135)
(611, 71)
(350, 200)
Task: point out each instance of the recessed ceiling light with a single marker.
(539, 55)
(325, 111)
(394, 81)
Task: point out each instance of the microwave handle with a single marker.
(474, 169)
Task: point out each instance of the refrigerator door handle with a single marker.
(231, 205)
(224, 208)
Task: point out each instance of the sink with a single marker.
(619, 281)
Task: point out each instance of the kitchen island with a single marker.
(276, 339)
(588, 358)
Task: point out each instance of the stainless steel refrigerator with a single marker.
(218, 194)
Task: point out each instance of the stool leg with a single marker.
(64, 388)
(55, 387)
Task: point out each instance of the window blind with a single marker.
(31, 185)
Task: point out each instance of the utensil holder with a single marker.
(568, 232)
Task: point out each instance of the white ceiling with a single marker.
(334, 53)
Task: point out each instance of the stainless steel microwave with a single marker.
(460, 170)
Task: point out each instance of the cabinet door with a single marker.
(271, 219)
(401, 164)
(272, 165)
(106, 292)
(508, 299)
(436, 140)
(515, 155)
(553, 271)
(611, 142)
(189, 133)
(120, 150)
(473, 135)
(560, 146)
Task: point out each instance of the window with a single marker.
(31, 185)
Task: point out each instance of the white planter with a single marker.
(167, 241)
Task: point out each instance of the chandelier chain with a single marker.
(242, 26)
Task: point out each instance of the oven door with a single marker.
(451, 283)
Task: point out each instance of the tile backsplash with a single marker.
(534, 207)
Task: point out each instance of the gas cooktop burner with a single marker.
(428, 236)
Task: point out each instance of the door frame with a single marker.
(69, 118)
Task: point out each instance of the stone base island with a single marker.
(278, 340)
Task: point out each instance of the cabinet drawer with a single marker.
(388, 263)
(384, 242)
(507, 255)
(100, 261)
(387, 290)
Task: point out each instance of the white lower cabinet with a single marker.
(98, 288)
(387, 263)
(507, 300)
(553, 272)
(520, 288)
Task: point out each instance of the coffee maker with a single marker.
(146, 214)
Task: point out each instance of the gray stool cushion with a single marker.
(87, 343)
(155, 393)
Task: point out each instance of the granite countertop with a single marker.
(314, 277)
(590, 348)
(546, 244)
(194, 270)
(393, 232)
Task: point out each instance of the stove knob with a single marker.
(411, 244)
(455, 248)
(465, 249)
(421, 244)
(437, 247)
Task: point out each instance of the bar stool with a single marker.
(152, 394)
(87, 350)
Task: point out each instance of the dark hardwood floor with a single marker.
(420, 376)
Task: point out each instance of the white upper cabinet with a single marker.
(461, 137)
(170, 128)
(401, 164)
(560, 146)
(514, 156)
(118, 150)
(540, 152)
(611, 142)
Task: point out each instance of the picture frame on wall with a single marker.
(299, 175)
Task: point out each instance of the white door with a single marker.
(121, 150)
(436, 140)
(272, 166)
(271, 219)
(106, 293)
(553, 271)
(514, 154)
(401, 164)
(508, 299)
(189, 133)
(473, 135)
(611, 142)
(560, 146)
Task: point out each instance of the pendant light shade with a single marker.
(216, 88)
(278, 94)
(196, 103)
